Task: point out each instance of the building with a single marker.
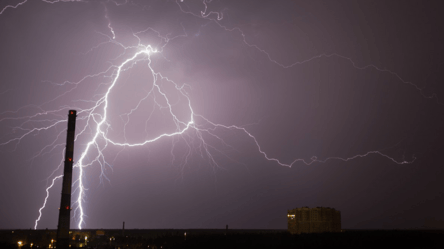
(313, 220)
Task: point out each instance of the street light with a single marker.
(19, 244)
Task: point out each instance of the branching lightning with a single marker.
(191, 129)
(25, 1)
(109, 22)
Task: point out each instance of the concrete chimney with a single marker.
(62, 241)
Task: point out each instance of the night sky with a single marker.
(347, 93)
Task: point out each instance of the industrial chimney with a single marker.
(65, 203)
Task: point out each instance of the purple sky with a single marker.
(355, 84)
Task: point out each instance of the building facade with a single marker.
(313, 220)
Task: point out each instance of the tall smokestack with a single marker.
(123, 229)
(65, 203)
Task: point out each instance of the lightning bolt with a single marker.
(109, 22)
(207, 16)
(25, 1)
(190, 127)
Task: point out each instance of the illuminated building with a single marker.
(313, 220)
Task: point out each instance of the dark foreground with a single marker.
(192, 238)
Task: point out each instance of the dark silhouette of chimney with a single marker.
(65, 203)
(123, 229)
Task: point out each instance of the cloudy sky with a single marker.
(198, 114)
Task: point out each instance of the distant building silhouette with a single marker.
(313, 220)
